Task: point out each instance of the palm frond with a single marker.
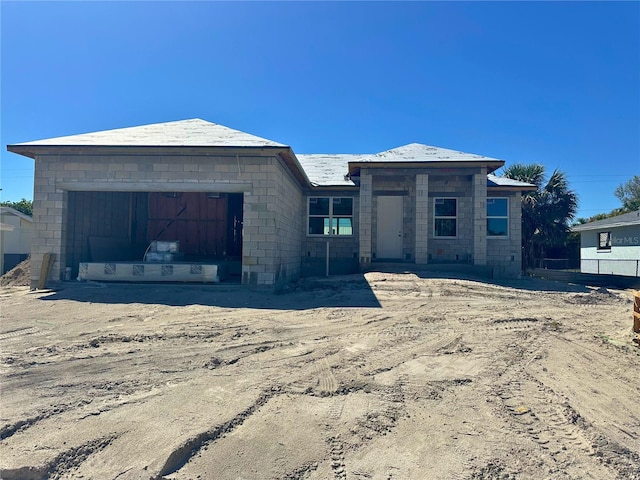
(546, 212)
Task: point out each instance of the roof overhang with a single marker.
(32, 151)
(289, 158)
(285, 154)
(334, 188)
(355, 167)
(587, 227)
(510, 188)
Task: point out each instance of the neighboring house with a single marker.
(271, 214)
(611, 246)
(15, 237)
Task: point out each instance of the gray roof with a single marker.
(494, 181)
(325, 170)
(623, 220)
(322, 170)
(329, 169)
(417, 152)
(184, 133)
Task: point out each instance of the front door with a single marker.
(389, 223)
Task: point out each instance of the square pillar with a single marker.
(422, 218)
(366, 192)
(49, 222)
(480, 217)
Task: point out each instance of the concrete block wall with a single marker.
(480, 217)
(460, 248)
(271, 201)
(404, 185)
(287, 239)
(422, 219)
(49, 233)
(343, 250)
(504, 255)
(365, 216)
(339, 247)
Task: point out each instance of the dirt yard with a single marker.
(382, 376)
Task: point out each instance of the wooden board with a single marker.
(47, 261)
(636, 311)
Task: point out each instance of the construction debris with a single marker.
(18, 276)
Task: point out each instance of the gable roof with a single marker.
(183, 133)
(626, 219)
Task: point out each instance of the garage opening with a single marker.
(203, 228)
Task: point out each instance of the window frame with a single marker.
(444, 217)
(498, 217)
(331, 216)
(608, 242)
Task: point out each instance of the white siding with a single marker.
(622, 259)
(16, 241)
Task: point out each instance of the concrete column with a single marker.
(422, 218)
(49, 205)
(480, 217)
(366, 192)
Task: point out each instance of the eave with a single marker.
(511, 188)
(32, 151)
(355, 167)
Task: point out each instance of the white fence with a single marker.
(629, 268)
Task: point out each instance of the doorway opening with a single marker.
(120, 226)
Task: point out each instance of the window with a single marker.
(497, 217)
(330, 216)
(445, 217)
(604, 241)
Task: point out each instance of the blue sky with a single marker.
(555, 83)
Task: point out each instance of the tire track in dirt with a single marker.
(10, 429)
(515, 324)
(336, 452)
(62, 465)
(375, 422)
(388, 357)
(549, 420)
(327, 383)
(180, 456)
(535, 408)
(19, 333)
(82, 409)
(315, 377)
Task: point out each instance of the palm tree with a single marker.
(546, 212)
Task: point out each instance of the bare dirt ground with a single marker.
(18, 276)
(382, 376)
